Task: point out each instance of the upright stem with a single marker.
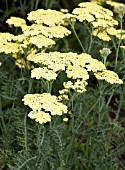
(25, 130)
(36, 5)
(73, 28)
(119, 42)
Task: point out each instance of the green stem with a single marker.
(69, 149)
(91, 37)
(110, 98)
(6, 1)
(25, 130)
(73, 28)
(36, 5)
(119, 43)
(90, 44)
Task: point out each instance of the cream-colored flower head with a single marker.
(76, 71)
(79, 85)
(16, 22)
(43, 72)
(5, 37)
(48, 17)
(20, 38)
(109, 76)
(10, 47)
(41, 41)
(50, 32)
(40, 116)
(96, 11)
(76, 67)
(64, 10)
(95, 65)
(100, 18)
(45, 102)
(53, 60)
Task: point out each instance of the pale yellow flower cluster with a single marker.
(44, 106)
(79, 86)
(47, 23)
(16, 22)
(48, 17)
(76, 71)
(41, 41)
(9, 48)
(101, 19)
(40, 116)
(39, 35)
(10, 44)
(77, 68)
(43, 72)
(6, 46)
(51, 32)
(6, 37)
(63, 95)
(109, 76)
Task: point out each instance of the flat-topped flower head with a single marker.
(100, 18)
(76, 71)
(10, 47)
(48, 17)
(45, 102)
(40, 116)
(16, 22)
(53, 60)
(43, 72)
(21, 62)
(76, 66)
(109, 76)
(95, 65)
(41, 41)
(5, 37)
(50, 32)
(93, 11)
(78, 86)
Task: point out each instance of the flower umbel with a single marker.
(44, 106)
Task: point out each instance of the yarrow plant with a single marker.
(47, 27)
(69, 94)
